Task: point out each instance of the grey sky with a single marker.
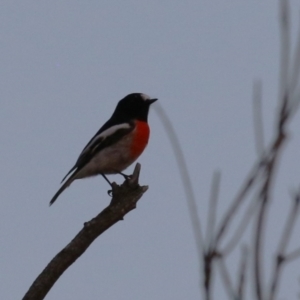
(64, 66)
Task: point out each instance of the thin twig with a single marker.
(211, 220)
(293, 255)
(238, 200)
(290, 222)
(265, 195)
(257, 118)
(277, 145)
(260, 227)
(294, 79)
(284, 25)
(225, 276)
(185, 178)
(284, 241)
(233, 242)
(208, 260)
(242, 274)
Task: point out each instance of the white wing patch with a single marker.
(110, 131)
(103, 135)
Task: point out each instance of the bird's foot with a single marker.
(126, 177)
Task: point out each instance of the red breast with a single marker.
(140, 139)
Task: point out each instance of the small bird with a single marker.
(116, 145)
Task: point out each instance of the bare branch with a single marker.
(238, 200)
(225, 276)
(294, 78)
(260, 227)
(285, 237)
(257, 118)
(277, 145)
(242, 274)
(293, 255)
(265, 195)
(185, 178)
(289, 225)
(124, 200)
(253, 206)
(211, 220)
(208, 259)
(284, 22)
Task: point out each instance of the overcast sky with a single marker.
(63, 67)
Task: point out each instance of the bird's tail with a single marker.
(62, 188)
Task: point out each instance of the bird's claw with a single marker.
(126, 177)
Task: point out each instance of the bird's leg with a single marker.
(109, 192)
(106, 179)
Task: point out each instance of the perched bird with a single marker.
(117, 144)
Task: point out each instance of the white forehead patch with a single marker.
(145, 97)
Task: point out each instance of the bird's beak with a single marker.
(150, 101)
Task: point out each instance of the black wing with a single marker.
(106, 136)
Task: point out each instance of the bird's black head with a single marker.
(134, 106)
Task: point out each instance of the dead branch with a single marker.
(212, 211)
(281, 257)
(125, 198)
(242, 274)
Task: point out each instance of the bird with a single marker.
(116, 145)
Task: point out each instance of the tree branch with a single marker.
(258, 118)
(124, 200)
(242, 274)
(281, 257)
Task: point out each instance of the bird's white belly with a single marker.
(110, 160)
